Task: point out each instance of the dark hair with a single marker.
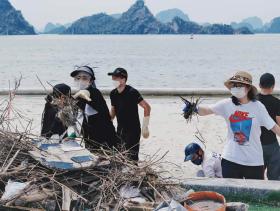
(267, 81)
(251, 96)
(61, 89)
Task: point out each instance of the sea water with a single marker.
(152, 61)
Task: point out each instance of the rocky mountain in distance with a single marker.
(116, 16)
(12, 22)
(255, 22)
(136, 20)
(167, 16)
(274, 26)
(51, 26)
(57, 28)
(139, 20)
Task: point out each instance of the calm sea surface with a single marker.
(160, 61)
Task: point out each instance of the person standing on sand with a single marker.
(125, 100)
(242, 155)
(270, 145)
(96, 125)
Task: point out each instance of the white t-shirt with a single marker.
(244, 130)
(211, 165)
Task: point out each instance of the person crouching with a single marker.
(210, 162)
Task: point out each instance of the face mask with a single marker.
(81, 84)
(116, 84)
(238, 92)
(197, 161)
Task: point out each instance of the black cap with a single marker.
(190, 150)
(119, 72)
(61, 89)
(267, 80)
(85, 69)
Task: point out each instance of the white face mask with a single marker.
(81, 85)
(238, 92)
(116, 84)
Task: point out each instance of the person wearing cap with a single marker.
(271, 148)
(94, 117)
(125, 100)
(51, 124)
(242, 155)
(210, 162)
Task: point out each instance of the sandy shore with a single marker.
(169, 131)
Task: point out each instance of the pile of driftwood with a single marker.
(114, 183)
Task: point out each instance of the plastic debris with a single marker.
(172, 206)
(13, 189)
(128, 192)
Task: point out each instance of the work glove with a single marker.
(145, 127)
(84, 94)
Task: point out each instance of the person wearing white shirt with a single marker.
(242, 155)
(209, 161)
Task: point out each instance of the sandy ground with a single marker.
(169, 131)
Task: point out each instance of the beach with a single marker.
(169, 131)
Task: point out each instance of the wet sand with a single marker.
(168, 130)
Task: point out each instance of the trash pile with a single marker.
(34, 175)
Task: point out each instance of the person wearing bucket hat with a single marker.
(242, 155)
(210, 162)
(124, 105)
(271, 148)
(94, 121)
(50, 123)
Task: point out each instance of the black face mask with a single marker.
(197, 161)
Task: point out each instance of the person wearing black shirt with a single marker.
(125, 100)
(271, 149)
(96, 125)
(51, 124)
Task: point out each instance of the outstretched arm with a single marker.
(204, 110)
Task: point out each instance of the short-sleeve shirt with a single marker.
(211, 165)
(244, 123)
(126, 107)
(272, 105)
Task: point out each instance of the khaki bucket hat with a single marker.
(242, 77)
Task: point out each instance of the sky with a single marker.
(40, 12)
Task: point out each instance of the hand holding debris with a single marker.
(84, 94)
(67, 116)
(190, 109)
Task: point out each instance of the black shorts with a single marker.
(237, 171)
